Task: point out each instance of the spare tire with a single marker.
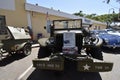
(92, 42)
(98, 42)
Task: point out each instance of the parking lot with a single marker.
(20, 68)
(112, 75)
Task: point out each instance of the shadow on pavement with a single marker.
(9, 59)
(71, 75)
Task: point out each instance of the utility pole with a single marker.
(119, 14)
(109, 18)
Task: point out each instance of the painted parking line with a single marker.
(24, 73)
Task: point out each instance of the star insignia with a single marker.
(86, 67)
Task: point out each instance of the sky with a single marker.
(98, 7)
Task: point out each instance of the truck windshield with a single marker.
(58, 24)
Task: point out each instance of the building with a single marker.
(18, 13)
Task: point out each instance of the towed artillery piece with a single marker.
(71, 47)
(14, 40)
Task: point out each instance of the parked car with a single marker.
(110, 40)
(112, 31)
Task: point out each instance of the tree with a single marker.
(91, 16)
(108, 1)
(80, 13)
(102, 18)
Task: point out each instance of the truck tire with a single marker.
(0, 56)
(11, 53)
(27, 49)
(43, 52)
(95, 53)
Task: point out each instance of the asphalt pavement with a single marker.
(17, 66)
(20, 68)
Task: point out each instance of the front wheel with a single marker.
(27, 49)
(0, 56)
(95, 53)
(43, 52)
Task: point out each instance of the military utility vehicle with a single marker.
(71, 47)
(14, 40)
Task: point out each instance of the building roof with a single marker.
(40, 9)
(44, 10)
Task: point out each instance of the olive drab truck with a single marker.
(14, 40)
(70, 47)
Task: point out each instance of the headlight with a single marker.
(51, 40)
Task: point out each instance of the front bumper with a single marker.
(83, 64)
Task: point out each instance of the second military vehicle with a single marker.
(14, 40)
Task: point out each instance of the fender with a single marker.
(20, 46)
(43, 42)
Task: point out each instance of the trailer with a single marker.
(14, 40)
